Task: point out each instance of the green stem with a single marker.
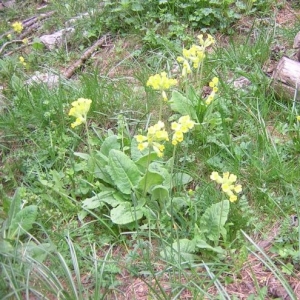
(146, 174)
(88, 138)
(219, 230)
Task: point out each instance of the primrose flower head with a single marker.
(17, 27)
(207, 42)
(214, 86)
(183, 125)
(79, 111)
(155, 135)
(22, 61)
(161, 81)
(298, 118)
(227, 184)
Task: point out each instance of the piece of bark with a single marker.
(68, 73)
(286, 79)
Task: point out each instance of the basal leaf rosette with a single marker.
(79, 111)
(227, 184)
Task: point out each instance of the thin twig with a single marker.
(8, 43)
(68, 73)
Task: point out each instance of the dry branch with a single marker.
(68, 73)
(28, 23)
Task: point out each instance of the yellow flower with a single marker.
(214, 85)
(161, 82)
(227, 184)
(206, 43)
(22, 61)
(155, 135)
(298, 118)
(183, 126)
(79, 111)
(216, 177)
(17, 27)
(25, 41)
(9, 36)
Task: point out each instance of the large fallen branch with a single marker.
(103, 41)
(286, 79)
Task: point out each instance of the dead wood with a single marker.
(69, 72)
(286, 79)
(29, 23)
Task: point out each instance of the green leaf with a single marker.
(141, 158)
(182, 250)
(100, 170)
(16, 83)
(180, 179)
(213, 220)
(183, 105)
(84, 156)
(125, 213)
(123, 171)
(149, 180)
(160, 193)
(39, 252)
(99, 199)
(203, 245)
(159, 168)
(15, 206)
(23, 221)
(37, 44)
(109, 143)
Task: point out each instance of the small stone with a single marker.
(49, 79)
(52, 41)
(241, 82)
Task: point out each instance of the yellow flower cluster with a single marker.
(227, 184)
(184, 125)
(155, 135)
(17, 27)
(22, 61)
(214, 85)
(195, 54)
(298, 118)
(79, 111)
(161, 82)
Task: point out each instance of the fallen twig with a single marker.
(8, 43)
(68, 73)
(27, 24)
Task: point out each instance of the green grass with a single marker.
(64, 232)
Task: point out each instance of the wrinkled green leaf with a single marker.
(149, 180)
(180, 179)
(125, 213)
(213, 220)
(15, 206)
(160, 193)
(203, 245)
(84, 156)
(23, 221)
(182, 250)
(99, 199)
(183, 105)
(109, 143)
(123, 171)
